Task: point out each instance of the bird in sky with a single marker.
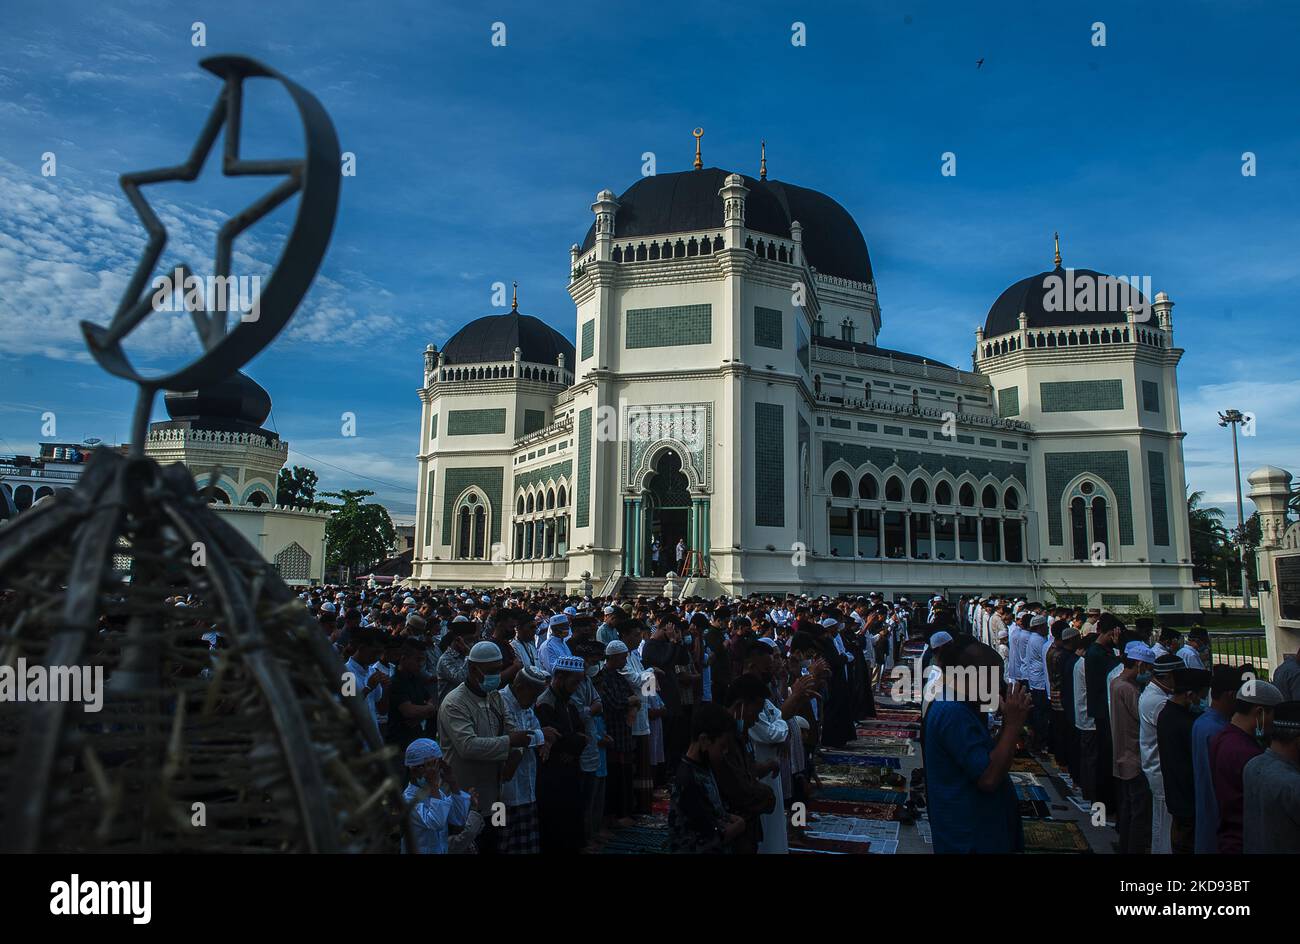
(978, 63)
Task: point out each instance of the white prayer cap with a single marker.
(1039, 620)
(616, 647)
(610, 609)
(327, 607)
(830, 621)
(768, 641)
(940, 638)
(485, 651)
(462, 618)
(421, 751)
(535, 675)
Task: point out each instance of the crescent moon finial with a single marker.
(699, 133)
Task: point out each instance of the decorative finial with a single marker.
(762, 164)
(1057, 238)
(699, 133)
(514, 302)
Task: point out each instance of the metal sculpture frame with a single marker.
(306, 768)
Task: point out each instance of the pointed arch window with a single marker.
(472, 520)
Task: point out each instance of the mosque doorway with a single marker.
(668, 506)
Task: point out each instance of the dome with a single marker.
(495, 337)
(1032, 296)
(688, 201)
(238, 399)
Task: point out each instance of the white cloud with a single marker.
(1207, 450)
(67, 251)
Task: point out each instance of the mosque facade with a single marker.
(726, 393)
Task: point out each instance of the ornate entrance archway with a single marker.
(666, 510)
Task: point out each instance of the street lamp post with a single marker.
(1232, 418)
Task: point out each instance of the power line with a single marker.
(368, 478)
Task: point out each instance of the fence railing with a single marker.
(1240, 647)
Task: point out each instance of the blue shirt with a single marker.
(964, 818)
(1206, 727)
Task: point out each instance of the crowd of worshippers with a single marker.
(533, 722)
(1184, 754)
(530, 721)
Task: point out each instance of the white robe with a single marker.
(770, 735)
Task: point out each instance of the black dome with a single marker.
(1028, 295)
(237, 399)
(495, 337)
(688, 200)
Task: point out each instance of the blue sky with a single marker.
(477, 164)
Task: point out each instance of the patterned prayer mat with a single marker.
(878, 732)
(881, 811)
(861, 795)
(889, 747)
(855, 828)
(841, 758)
(896, 714)
(1022, 777)
(637, 840)
(1026, 765)
(885, 778)
(1035, 809)
(810, 844)
(1045, 835)
(1029, 791)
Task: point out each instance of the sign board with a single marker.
(1286, 586)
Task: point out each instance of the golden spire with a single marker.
(1057, 238)
(699, 133)
(762, 164)
(514, 302)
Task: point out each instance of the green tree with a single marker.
(297, 488)
(357, 535)
(1209, 538)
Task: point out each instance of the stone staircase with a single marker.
(643, 586)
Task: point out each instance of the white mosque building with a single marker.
(727, 392)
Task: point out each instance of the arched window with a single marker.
(943, 494)
(841, 487)
(530, 503)
(868, 488)
(990, 497)
(967, 495)
(519, 506)
(894, 489)
(1100, 532)
(920, 493)
(471, 519)
(257, 499)
(916, 398)
(1089, 513)
(561, 501)
(1011, 499)
(550, 498)
(1078, 529)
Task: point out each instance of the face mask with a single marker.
(593, 671)
(491, 683)
(689, 640)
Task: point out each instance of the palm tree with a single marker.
(1209, 537)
